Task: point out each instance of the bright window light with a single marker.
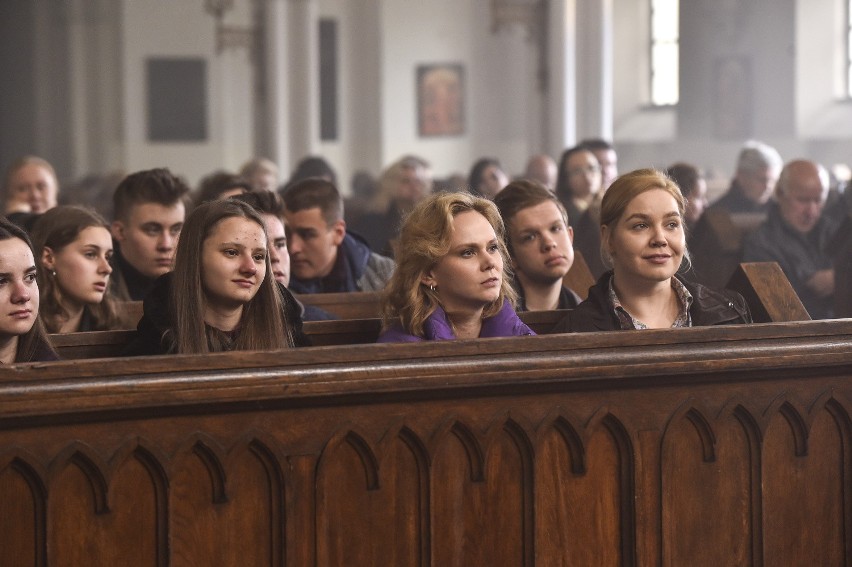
(665, 54)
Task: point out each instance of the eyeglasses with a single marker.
(578, 171)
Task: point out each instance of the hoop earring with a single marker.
(432, 287)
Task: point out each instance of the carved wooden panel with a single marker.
(700, 447)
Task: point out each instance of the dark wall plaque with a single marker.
(177, 100)
(328, 78)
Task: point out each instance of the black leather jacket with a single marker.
(709, 307)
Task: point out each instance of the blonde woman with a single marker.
(643, 241)
(450, 280)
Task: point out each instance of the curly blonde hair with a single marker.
(423, 240)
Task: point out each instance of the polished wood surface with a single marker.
(764, 285)
(768, 293)
(103, 344)
(352, 305)
(579, 278)
(705, 446)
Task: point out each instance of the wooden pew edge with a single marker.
(511, 366)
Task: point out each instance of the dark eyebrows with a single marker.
(642, 216)
(239, 246)
(304, 231)
(30, 270)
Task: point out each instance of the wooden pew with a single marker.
(769, 294)
(356, 305)
(103, 344)
(353, 305)
(705, 446)
(579, 278)
(764, 286)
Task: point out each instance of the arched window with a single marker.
(665, 56)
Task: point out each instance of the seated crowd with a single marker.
(452, 259)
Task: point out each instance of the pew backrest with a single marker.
(768, 292)
(764, 286)
(103, 344)
(579, 278)
(706, 446)
(351, 305)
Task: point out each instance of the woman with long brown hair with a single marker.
(22, 335)
(74, 248)
(222, 294)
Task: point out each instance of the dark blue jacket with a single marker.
(357, 268)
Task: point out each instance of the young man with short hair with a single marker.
(149, 209)
(539, 239)
(323, 257)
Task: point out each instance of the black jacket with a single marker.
(799, 255)
(568, 299)
(127, 283)
(735, 201)
(709, 307)
(152, 332)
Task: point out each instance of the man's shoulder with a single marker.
(378, 271)
(382, 262)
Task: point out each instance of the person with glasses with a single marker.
(578, 180)
(579, 186)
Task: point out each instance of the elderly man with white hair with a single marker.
(796, 234)
(758, 166)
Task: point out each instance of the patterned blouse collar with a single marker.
(628, 322)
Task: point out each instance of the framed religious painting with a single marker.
(440, 100)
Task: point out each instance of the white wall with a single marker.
(359, 89)
(180, 28)
(88, 109)
(499, 83)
